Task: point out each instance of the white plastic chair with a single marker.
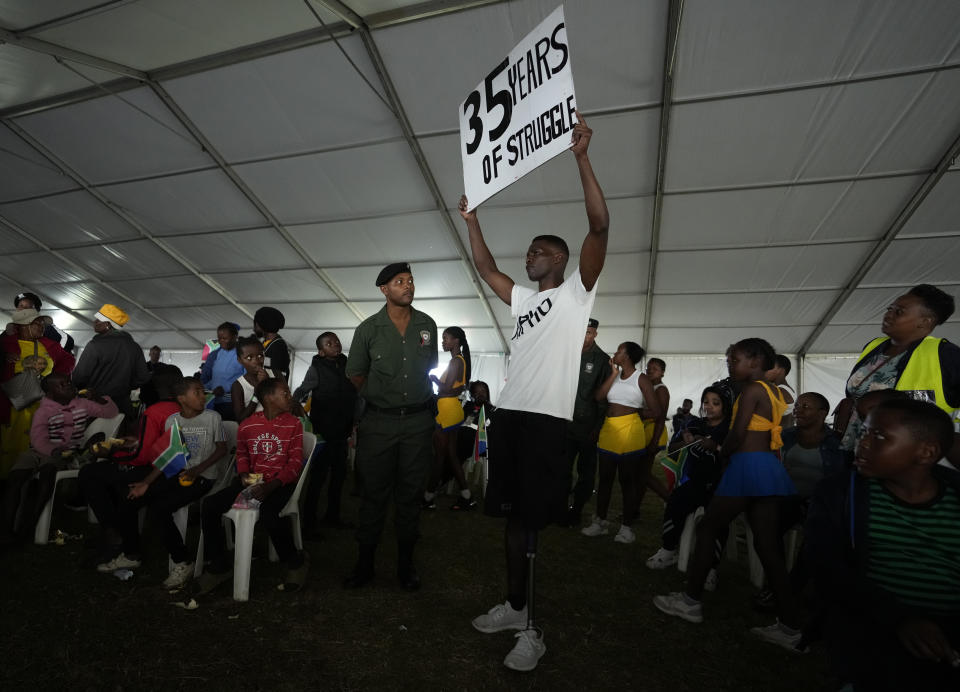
(244, 521)
(753, 560)
(688, 539)
(107, 426)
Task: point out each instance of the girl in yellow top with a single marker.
(450, 418)
(753, 482)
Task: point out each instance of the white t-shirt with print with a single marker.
(545, 347)
(201, 435)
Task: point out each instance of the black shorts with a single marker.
(527, 474)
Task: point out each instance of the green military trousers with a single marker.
(394, 457)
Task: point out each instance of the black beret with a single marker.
(592, 323)
(391, 270)
(271, 319)
(37, 303)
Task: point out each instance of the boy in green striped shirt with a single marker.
(884, 544)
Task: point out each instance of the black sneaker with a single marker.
(463, 504)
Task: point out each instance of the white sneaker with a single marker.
(625, 535)
(121, 561)
(526, 653)
(179, 574)
(598, 527)
(662, 559)
(782, 636)
(675, 604)
(711, 582)
(501, 617)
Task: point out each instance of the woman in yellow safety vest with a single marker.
(907, 359)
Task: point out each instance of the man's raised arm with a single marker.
(594, 250)
(486, 266)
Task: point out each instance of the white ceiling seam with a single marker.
(400, 114)
(123, 214)
(129, 300)
(674, 20)
(891, 233)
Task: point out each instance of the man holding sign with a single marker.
(528, 474)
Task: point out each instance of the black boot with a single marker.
(363, 571)
(406, 572)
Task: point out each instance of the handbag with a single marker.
(23, 388)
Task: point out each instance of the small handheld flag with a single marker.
(171, 453)
(480, 446)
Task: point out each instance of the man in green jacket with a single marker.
(390, 360)
(588, 414)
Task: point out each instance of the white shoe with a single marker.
(121, 561)
(597, 527)
(179, 574)
(526, 653)
(675, 604)
(712, 580)
(625, 535)
(780, 635)
(662, 559)
(501, 617)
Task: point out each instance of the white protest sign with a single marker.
(521, 115)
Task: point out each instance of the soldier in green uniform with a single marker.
(391, 356)
(588, 415)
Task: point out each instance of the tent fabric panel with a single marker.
(618, 311)
(39, 268)
(616, 54)
(380, 239)
(716, 339)
(67, 219)
(432, 280)
(754, 309)
(509, 230)
(24, 172)
(131, 260)
(107, 140)
(208, 317)
(850, 40)
(292, 102)
(202, 201)
(11, 241)
(263, 248)
(267, 287)
(151, 33)
(82, 296)
(927, 128)
(939, 213)
(811, 267)
(30, 76)
(800, 135)
(20, 15)
(558, 180)
(791, 214)
(852, 339)
(185, 290)
(340, 184)
(914, 261)
(312, 316)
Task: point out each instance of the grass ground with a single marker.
(66, 626)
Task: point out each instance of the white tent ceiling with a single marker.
(778, 169)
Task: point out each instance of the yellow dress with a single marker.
(15, 435)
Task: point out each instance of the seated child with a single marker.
(221, 369)
(202, 433)
(702, 438)
(56, 434)
(884, 548)
(104, 485)
(250, 355)
(269, 444)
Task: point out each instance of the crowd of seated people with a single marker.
(877, 495)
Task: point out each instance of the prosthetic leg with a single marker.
(531, 582)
